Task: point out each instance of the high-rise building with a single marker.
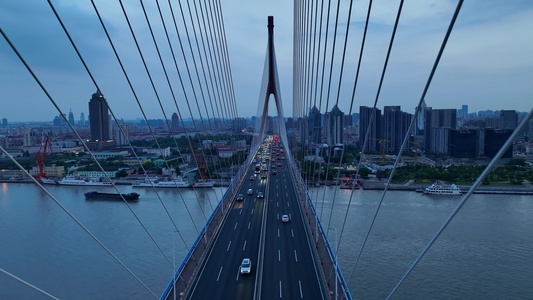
(122, 139)
(438, 118)
(82, 119)
(99, 117)
(508, 119)
(334, 126)
(315, 126)
(4, 122)
(175, 122)
(494, 140)
(59, 121)
(464, 143)
(395, 126)
(71, 118)
(365, 115)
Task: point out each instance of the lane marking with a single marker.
(295, 255)
(235, 226)
(240, 212)
(249, 226)
(252, 211)
(301, 294)
(279, 255)
(278, 232)
(218, 277)
(286, 194)
(288, 204)
(228, 246)
(277, 204)
(244, 247)
(278, 216)
(292, 232)
(280, 289)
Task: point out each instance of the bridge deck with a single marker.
(283, 258)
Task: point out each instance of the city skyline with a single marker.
(486, 63)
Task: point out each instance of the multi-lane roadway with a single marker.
(283, 265)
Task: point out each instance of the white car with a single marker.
(240, 197)
(250, 192)
(246, 266)
(285, 218)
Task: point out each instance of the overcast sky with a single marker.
(488, 63)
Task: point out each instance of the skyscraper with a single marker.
(98, 117)
(508, 119)
(365, 114)
(334, 126)
(175, 122)
(395, 126)
(71, 118)
(82, 119)
(433, 136)
(4, 122)
(315, 126)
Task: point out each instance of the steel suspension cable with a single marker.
(305, 90)
(232, 160)
(44, 189)
(336, 104)
(185, 61)
(169, 84)
(86, 147)
(314, 175)
(224, 44)
(140, 107)
(316, 82)
(122, 131)
(350, 112)
(155, 89)
(219, 59)
(20, 279)
(329, 89)
(480, 179)
(372, 117)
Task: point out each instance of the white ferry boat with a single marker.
(73, 180)
(439, 189)
(203, 184)
(164, 184)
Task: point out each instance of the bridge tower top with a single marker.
(270, 87)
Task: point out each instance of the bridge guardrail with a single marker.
(326, 254)
(183, 275)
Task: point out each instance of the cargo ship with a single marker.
(94, 195)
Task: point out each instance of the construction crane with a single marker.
(40, 158)
(381, 148)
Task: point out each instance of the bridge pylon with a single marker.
(270, 87)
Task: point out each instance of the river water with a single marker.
(485, 253)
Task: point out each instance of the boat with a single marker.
(203, 183)
(74, 180)
(94, 195)
(440, 189)
(164, 184)
(349, 184)
(48, 181)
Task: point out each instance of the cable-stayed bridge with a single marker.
(289, 260)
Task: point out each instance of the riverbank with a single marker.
(218, 182)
